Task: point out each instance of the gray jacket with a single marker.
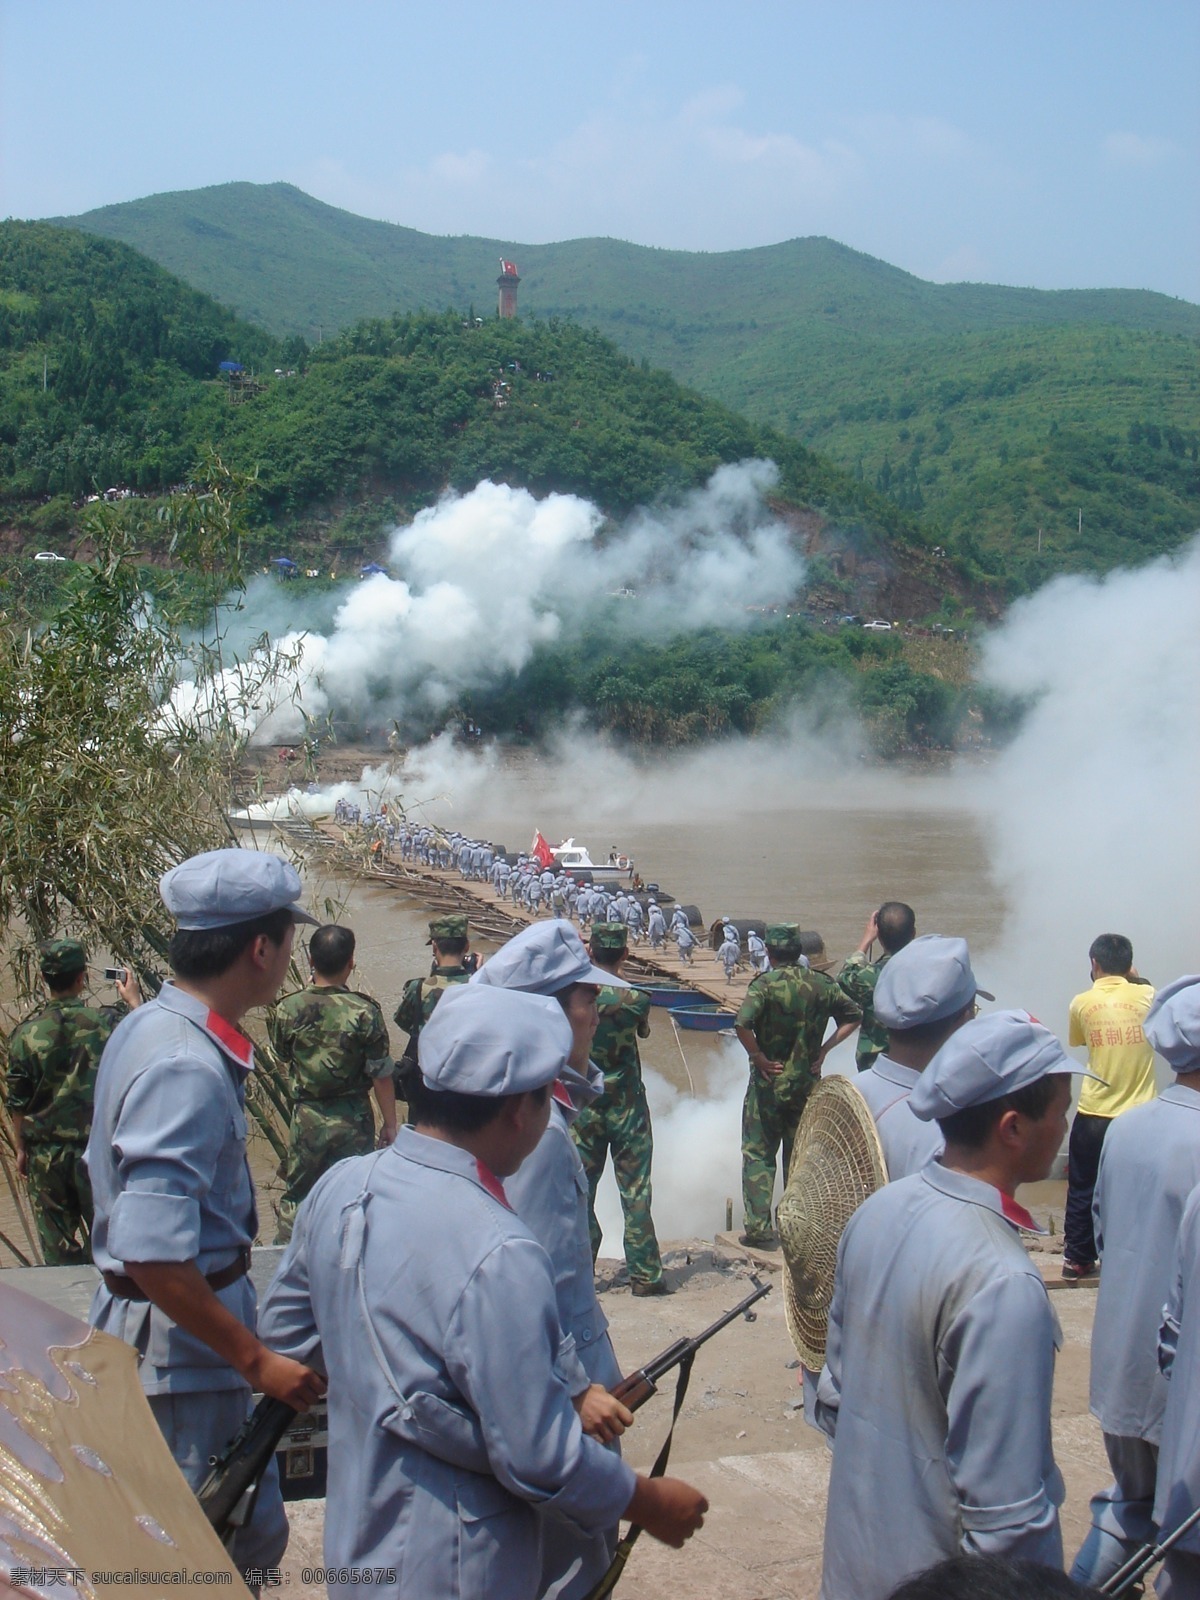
(550, 1194)
(908, 1143)
(936, 1388)
(1178, 1492)
(426, 1300)
(170, 1181)
(1149, 1165)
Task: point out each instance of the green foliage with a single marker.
(944, 397)
(380, 420)
(715, 682)
(103, 359)
(100, 792)
(992, 437)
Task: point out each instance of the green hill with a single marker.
(109, 375)
(994, 411)
(295, 265)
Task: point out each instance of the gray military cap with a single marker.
(928, 980)
(988, 1057)
(1172, 1024)
(222, 887)
(493, 1041)
(542, 959)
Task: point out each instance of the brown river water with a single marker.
(824, 862)
(824, 857)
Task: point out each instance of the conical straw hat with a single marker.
(837, 1161)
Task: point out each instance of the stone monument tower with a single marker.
(507, 284)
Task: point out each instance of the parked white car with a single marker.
(878, 626)
(48, 555)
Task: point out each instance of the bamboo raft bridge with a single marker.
(488, 916)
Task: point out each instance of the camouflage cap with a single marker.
(609, 936)
(782, 936)
(62, 958)
(451, 926)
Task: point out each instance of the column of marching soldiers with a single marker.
(438, 1279)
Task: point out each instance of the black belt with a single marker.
(117, 1283)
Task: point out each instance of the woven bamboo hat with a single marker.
(837, 1161)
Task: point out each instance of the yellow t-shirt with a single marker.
(1108, 1018)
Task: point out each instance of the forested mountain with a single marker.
(110, 378)
(110, 374)
(997, 413)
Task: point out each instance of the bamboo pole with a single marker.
(19, 1201)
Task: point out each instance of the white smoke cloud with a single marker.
(697, 1154)
(478, 582)
(1090, 821)
(1086, 822)
(1091, 811)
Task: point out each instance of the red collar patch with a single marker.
(562, 1094)
(231, 1039)
(1017, 1215)
(491, 1183)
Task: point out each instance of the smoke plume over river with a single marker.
(1085, 823)
(478, 582)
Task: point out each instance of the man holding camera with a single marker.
(52, 1061)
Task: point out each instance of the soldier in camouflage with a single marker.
(894, 925)
(620, 1119)
(51, 1081)
(448, 936)
(781, 1024)
(334, 1044)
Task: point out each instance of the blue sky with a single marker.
(1053, 143)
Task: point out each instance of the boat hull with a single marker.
(675, 995)
(704, 1018)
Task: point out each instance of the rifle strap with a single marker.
(612, 1577)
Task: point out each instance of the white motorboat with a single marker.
(572, 857)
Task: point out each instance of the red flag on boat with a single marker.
(540, 850)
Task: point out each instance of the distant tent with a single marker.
(284, 566)
(371, 568)
(230, 366)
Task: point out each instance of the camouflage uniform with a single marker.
(620, 1121)
(421, 995)
(858, 978)
(52, 1061)
(334, 1043)
(787, 1010)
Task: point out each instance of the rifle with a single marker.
(228, 1494)
(638, 1387)
(1140, 1562)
